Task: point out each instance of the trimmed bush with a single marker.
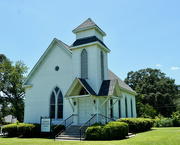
(11, 129)
(97, 124)
(115, 130)
(110, 131)
(94, 133)
(138, 124)
(22, 130)
(26, 130)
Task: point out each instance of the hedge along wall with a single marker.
(28, 130)
(22, 130)
(110, 131)
(138, 124)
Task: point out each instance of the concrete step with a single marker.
(130, 135)
(76, 136)
(69, 138)
(72, 133)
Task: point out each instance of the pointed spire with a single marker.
(89, 23)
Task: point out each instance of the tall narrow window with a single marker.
(60, 105)
(119, 108)
(102, 66)
(111, 103)
(131, 108)
(52, 105)
(56, 104)
(84, 64)
(126, 107)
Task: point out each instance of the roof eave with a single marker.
(92, 43)
(134, 93)
(42, 58)
(90, 27)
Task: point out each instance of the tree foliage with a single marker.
(11, 80)
(154, 88)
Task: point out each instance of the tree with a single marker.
(154, 88)
(145, 111)
(11, 80)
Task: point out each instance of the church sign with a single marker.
(45, 124)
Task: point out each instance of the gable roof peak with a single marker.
(89, 23)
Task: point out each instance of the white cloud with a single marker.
(175, 68)
(158, 65)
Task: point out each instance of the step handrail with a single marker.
(85, 124)
(107, 117)
(65, 124)
(65, 121)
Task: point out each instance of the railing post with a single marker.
(80, 134)
(97, 110)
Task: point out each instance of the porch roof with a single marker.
(87, 86)
(110, 88)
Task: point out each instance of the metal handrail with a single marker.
(65, 124)
(115, 117)
(107, 117)
(65, 120)
(85, 124)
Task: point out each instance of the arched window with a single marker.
(126, 107)
(84, 64)
(56, 104)
(131, 108)
(102, 66)
(52, 105)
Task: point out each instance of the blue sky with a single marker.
(140, 33)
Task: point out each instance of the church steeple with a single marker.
(88, 24)
(88, 28)
(89, 54)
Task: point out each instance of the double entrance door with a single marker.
(84, 110)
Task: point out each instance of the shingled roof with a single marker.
(107, 88)
(88, 24)
(87, 40)
(65, 45)
(122, 84)
(87, 86)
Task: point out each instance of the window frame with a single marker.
(84, 64)
(57, 93)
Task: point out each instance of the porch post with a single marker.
(97, 110)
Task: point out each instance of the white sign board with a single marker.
(45, 124)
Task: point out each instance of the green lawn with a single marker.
(158, 136)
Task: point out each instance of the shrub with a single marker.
(138, 124)
(57, 130)
(112, 130)
(11, 129)
(145, 111)
(94, 133)
(25, 130)
(22, 130)
(160, 121)
(115, 130)
(97, 124)
(176, 119)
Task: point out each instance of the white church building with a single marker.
(75, 81)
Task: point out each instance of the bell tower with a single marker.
(89, 54)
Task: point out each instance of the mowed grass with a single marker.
(157, 136)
